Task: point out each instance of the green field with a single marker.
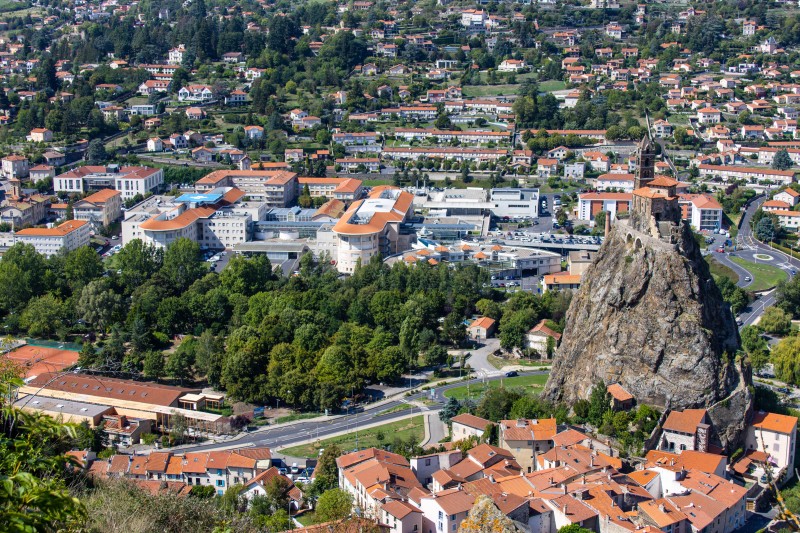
(718, 269)
(489, 90)
(552, 85)
(402, 429)
(765, 276)
(532, 384)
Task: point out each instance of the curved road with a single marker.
(288, 435)
(746, 248)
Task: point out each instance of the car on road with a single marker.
(748, 278)
(720, 250)
(511, 374)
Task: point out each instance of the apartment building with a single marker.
(102, 207)
(276, 188)
(527, 439)
(129, 181)
(67, 236)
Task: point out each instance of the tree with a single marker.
(43, 315)
(153, 365)
(600, 221)
(484, 517)
(787, 295)
(182, 264)
(181, 363)
(775, 320)
(599, 403)
(782, 160)
(138, 262)
(562, 217)
(755, 346)
(96, 153)
(786, 359)
(449, 410)
(765, 230)
(326, 475)
(496, 403)
(333, 505)
(82, 266)
(98, 304)
(573, 528)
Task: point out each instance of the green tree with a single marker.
(99, 304)
(96, 153)
(765, 230)
(449, 410)
(775, 320)
(573, 528)
(180, 364)
(43, 316)
(153, 365)
(755, 346)
(182, 264)
(334, 505)
(599, 403)
(787, 295)
(326, 475)
(782, 160)
(786, 360)
(82, 266)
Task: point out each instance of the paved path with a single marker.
(479, 358)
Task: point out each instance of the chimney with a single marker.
(608, 223)
(662, 508)
(591, 461)
(565, 487)
(491, 478)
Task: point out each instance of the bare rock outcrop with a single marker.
(649, 317)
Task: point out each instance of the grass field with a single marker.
(532, 384)
(765, 276)
(552, 85)
(402, 429)
(307, 518)
(718, 269)
(489, 90)
(499, 362)
(296, 416)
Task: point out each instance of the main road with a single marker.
(291, 434)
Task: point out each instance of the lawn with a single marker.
(489, 90)
(499, 362)
(718, 269)
(375, 436)
(532, 384)
(552, 85)
(308, 518)
(765, 276)
(296, 416)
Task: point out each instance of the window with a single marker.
(220, 483)
(441, 515)
(452, 517)
(427, 462)
(776, 447)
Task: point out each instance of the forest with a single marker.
(309, 340)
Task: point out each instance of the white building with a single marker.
(371, 227)
(706, 213)
(774, 435)
(515, 203)
(685, 430)
(15, 166)
(591, 203)
(129, 181)
(68, 236)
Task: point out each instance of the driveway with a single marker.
(479, 358)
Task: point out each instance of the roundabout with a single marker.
(763, 257)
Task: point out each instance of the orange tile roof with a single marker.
(685, 421)
(59, 231)
(455, 501)
(102, 196)
(774, 422)
(541, 429)
(379, 219)
(482, 322)
(190, 216)
(542, 327)
(618, 393)
(569, 279)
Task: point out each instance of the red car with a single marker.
(720, 250)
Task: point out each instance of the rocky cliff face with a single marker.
(649, 316)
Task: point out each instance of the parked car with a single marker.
(511, 374)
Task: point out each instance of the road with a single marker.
(479, 358)
(747, 247)
(289, 435)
